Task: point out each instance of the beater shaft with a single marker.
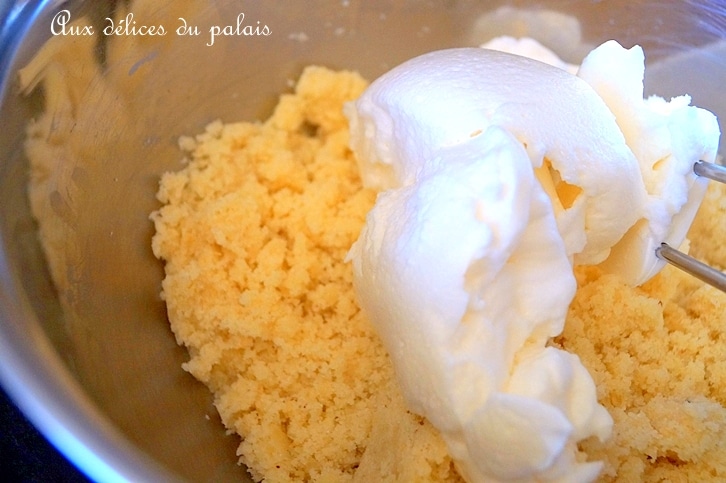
(685, 262)
(692, 266)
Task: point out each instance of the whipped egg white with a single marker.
(496, 174)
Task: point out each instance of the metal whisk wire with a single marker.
(685, 262)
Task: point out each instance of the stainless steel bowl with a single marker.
(91, 360)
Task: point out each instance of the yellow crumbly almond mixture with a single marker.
(254, 232)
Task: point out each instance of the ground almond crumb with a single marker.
(254, 232)
(658, 356)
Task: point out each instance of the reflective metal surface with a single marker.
(90, 358)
